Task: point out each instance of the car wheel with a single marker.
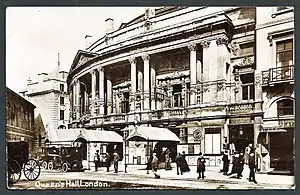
(44, 165)
(50, 166)
(64, 167)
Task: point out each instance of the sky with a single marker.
(35, 36)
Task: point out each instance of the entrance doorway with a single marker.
(240, 136)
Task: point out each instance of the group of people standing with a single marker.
(108, 161)
(239, 160)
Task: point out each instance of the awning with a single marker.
(149, 133)
(70, 135)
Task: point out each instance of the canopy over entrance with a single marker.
(71, 135)
(151, 134)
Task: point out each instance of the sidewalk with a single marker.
(212, 175)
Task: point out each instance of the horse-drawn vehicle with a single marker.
(18, 159)
(63, 158)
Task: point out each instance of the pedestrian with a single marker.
(167, 160)
(155, 166)
(235, 163)
(240, 165)
(247, 152)
(96, 160)
(184, 164)
(222, 154)
(226, 161)
(201, 166)
(178, 161)
(252, 167)
(107, 161)
(116, 158)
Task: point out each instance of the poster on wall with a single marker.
(197, 149)
(192, 160)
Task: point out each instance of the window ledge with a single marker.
(277, 13)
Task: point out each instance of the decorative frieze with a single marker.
(222, 40)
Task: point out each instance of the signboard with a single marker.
(192, 160)
(197, 149)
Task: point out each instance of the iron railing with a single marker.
(278, 74)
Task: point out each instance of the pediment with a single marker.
(81, 58)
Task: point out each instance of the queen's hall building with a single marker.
(191, 70)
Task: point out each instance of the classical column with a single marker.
(153, 88)
(146, 59)
(109, 96)
(140, 88)
(206, 59)
(86, 102)
(74, 100)
(94, 77)
(199, 70)
(133, 83)
(78, 99)
(193, 72)
(101, 90)
(222, 56)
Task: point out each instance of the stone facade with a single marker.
(49, 94)
(20, 120)
(275, 59)
(188, 69)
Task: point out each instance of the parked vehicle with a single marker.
(18, 159)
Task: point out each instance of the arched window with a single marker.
(285, 107)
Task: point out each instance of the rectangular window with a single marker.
(177, 95)
(62, 101)
(62, 115)
(61, 87)
(284, 53)
(125, 108)
(212, 141)
(247, 86)
(246, 49)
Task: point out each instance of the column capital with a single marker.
(192, 47)
(92, 71)
(132, 60)
(222, 40)
(145, 57)
(205, 44)
(100, 68)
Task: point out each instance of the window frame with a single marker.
(274, 48)
(213, 130)
(62, 103)
(60, 114)
(61, 87)
(293, 107)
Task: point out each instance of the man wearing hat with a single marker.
(201, 166)
(96, 160)
(252, 166)
(155, 166)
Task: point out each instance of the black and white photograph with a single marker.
(169, 97)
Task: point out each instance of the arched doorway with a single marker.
(81, 143)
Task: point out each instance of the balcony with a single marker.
(278, 75)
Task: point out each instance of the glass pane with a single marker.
(216, 143)
(208, 143)
(245, 93)
(280, 46)
(289, 45)
(252, 92)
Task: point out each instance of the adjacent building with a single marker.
(275, 59)
(192, 70)
(20, 120)
(49, 94)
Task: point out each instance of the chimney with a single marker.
(109, 25)
(29, 80)
(88, 41)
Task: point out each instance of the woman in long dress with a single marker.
(185, 166)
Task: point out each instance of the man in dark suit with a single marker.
(226, 161)
(116, 158)
(252, 167)
(107, 162)
(201, 166)
(96, 160)
(178, 161)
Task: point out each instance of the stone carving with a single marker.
(234, 47)
(222, 40)
(205, 44)
(221, 86)
(247, 61)
(192, 47)
(82, 60)
(258, 79)
(132, 60)
(146, 57)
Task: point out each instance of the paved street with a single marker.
(138, 178)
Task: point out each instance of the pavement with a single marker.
(137, 178)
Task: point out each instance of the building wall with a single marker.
(20, 120)
(45, 93)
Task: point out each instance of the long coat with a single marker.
(155, 163)
(201, 164)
